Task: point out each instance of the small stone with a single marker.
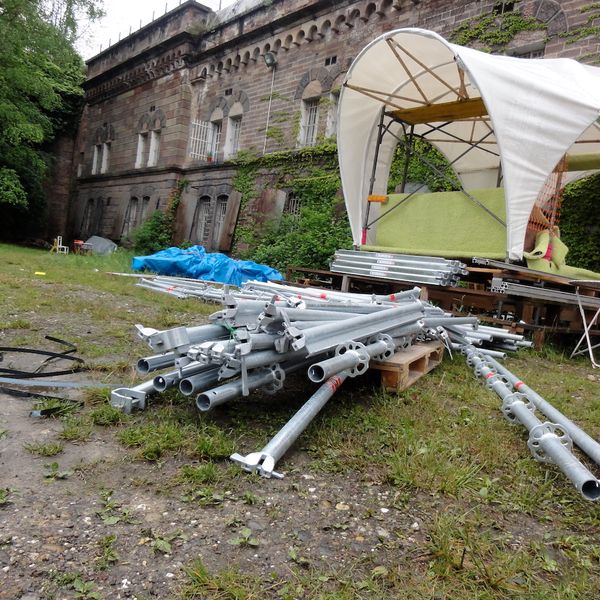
(384, 510)
(170, 575)
(382, 533)
(342, 506)
(415, 526)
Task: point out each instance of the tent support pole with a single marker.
(407, 157)
(380, 132)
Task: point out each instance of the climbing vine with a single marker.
(494, 31)
(157, 232)
(580, 222)
(591, 27)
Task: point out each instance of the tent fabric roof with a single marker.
(537, 110)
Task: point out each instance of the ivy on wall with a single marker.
(580, 222)
(492, 32)
(419, 172)
(591, 28)
(157, 232)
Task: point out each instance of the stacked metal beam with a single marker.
(399, 267)
(502, 286)
(253, 343)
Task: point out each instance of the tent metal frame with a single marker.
(408, 142)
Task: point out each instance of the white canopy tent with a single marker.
(484, 112)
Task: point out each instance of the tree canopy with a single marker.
(40, 96)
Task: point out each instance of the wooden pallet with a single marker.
(406, 366)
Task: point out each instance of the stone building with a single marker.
(183, 95)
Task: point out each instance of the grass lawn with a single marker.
(425, 494)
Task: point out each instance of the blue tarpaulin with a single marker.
(196, 263)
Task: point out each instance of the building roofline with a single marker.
(188, 3)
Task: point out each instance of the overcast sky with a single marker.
(123, 14)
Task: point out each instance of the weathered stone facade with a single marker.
(180, 96)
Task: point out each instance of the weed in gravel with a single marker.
(55, 473)
(96, 396)
(83, 590)
(111, 512)
(15, 324)
(107, 555)
(249, 498)
(47, 449)
(167, 432)
(5, 494)
(244, 539)
(76, 429)
(205, 496)
(228, 583)
(59, 408)
(161, 543)
(201, 474)
(106, 415)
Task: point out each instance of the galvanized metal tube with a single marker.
(318, 339)
(155, 363)
(230, 391)
(541, 434)
(486, 351)
(265, 460)
(200, 381)
(580, 438)
(290, 432)
(325, 369)
(168, 380)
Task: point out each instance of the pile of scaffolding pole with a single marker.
(266, 331)
(431, 270)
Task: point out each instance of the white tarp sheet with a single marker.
(538, 109)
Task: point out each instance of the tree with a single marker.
(40, 97)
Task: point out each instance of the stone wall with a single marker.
(192, 67)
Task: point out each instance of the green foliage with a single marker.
(588, 28)
(419, 171)
(153, 235)
(11, 190)
(495, 30)
(40, 99)
(580, 222)
(311, 238)
(157, 232)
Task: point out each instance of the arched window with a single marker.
(309, 118)
(221, 211)
(234, 130)
(200, 229)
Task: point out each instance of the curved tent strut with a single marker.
(527, 112)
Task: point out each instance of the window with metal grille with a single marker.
(130, 216)
(539, 53)
(234, 129)
(310, 122)
(220, 218)
(292, 206)
(205, 139)
(86, 221)
(199, 139)
(200, 222)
